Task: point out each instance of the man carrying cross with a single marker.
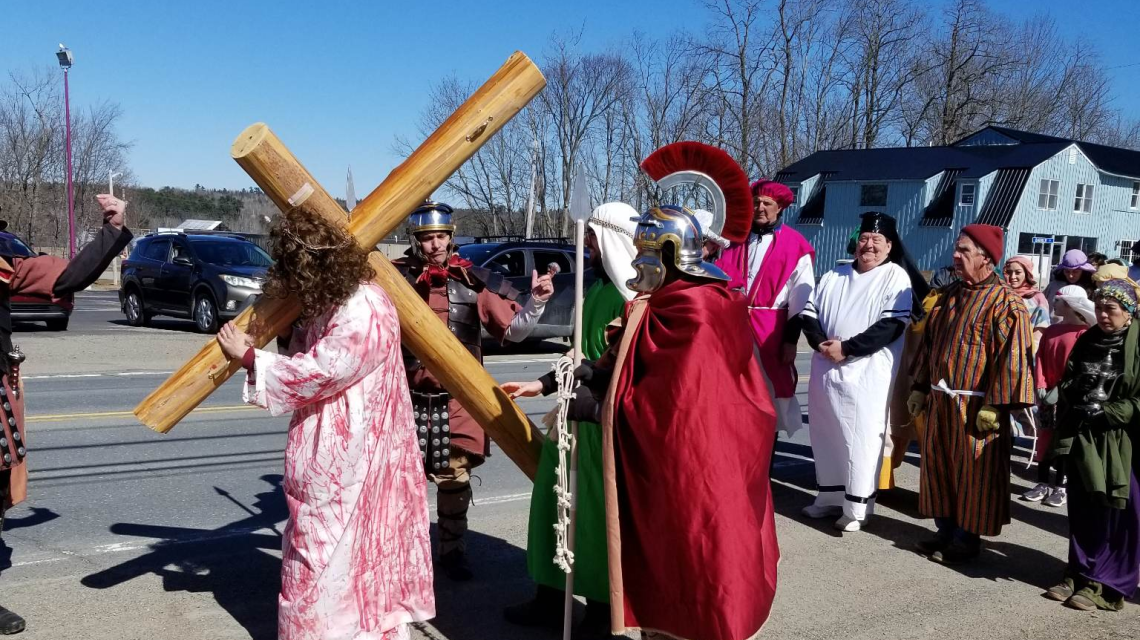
(466, 298)
(55, 278)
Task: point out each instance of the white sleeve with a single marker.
(524, 321)
(815, 298)
(899, 296)
(801, 286)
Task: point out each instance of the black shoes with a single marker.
(957, 552)
(545, 610)
(454, 566)
(10, 623)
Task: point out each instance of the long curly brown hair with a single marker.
(315, 260)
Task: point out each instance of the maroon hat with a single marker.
(774, 190)
(990, 238)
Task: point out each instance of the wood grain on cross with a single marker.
(282, 177)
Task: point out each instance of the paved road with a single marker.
(131, 534)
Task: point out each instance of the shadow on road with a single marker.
(473, 610)
(38, 515)
(230, 562)
(1000, 560)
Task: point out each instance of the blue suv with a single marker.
(207, 278)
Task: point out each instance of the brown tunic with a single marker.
(495, 314)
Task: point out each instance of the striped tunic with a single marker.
(978, 339)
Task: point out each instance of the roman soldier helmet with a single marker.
(669, 225)
(431, 216)
(697, 165)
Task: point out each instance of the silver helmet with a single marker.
(665, 225)
(431, 216)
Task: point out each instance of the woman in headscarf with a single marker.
(1100, 400)
(1019, 276)
(1074, 268)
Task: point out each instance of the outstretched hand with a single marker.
(518, 390)
(114, 209)
(541, 287)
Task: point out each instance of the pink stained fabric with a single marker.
(356, 558)
(788, 246)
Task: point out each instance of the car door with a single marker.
(177, 274)
(150, 268)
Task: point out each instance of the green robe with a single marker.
(602, 305)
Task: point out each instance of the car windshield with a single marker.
(231, 254)
(13, 247)
(477, 253)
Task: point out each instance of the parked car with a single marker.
(516, 258)
(55, 312)
(205, 277)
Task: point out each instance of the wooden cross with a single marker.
(282, 177)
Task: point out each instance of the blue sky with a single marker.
(338, 80)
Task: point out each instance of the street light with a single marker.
(65, 60)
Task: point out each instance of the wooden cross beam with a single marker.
(282, 177)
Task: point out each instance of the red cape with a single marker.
(692, 433)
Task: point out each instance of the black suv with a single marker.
(205, 277)
(515, 258)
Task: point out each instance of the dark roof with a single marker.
(1004, 196)
(920, 163)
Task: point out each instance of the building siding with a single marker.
(1110, 220)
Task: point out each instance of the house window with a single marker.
(1047, 195)
(1124, 247)
(1083, 202)
(966, 198)
(1135, 196)
(795, 194)
(873, 195)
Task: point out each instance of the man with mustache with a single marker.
(855, 323)
(774, 270)
(466, 298)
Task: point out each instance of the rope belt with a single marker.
(955, 393)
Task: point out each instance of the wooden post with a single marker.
(283, 178)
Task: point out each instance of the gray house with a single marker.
(1049, 194)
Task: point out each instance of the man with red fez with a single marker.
(974, 368)
(773, 269)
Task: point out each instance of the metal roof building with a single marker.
(1049, 194)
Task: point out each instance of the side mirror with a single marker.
(182, 260)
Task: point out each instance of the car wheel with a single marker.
(136, 314)
(59, 324)
(205, 314)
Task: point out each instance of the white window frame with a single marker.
(1047, 198)
(1082, 203)
(1134, 203)
(973, 194)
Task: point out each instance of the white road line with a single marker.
(120, 374)
(514, 497)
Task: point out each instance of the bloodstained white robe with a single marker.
(848, 401)
(356, 559)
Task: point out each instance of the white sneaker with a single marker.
(817, 512)
(848, 525)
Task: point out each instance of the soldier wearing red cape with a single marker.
(692, 551)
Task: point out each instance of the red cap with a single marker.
(990, 238)
(774, 190)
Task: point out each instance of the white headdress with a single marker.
(614, 224)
